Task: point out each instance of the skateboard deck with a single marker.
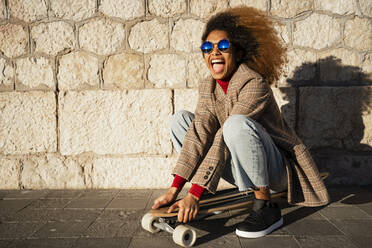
(224, 200)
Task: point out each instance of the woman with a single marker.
(238, 132)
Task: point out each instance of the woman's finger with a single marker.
(191, 215)
(195, 212)
(171, 208)
(181, 212)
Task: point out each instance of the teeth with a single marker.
(217, 60)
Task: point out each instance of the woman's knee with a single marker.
(236, 124)
(181, 118)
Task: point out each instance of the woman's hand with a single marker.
(188, 208)
(167, 198)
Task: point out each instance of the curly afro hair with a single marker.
(253, 36)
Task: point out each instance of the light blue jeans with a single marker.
(255, 160)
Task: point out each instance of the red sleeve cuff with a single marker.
(196, 190)
(178, 182)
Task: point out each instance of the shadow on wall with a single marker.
(334, 118)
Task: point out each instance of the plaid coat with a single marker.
(204, 153)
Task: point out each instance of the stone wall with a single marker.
(87, 87)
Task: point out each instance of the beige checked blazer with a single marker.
(204, 153)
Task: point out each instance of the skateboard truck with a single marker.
(182, 234)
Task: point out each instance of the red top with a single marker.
(178, 181)
(223, 84)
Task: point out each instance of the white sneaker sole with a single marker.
(262, 233)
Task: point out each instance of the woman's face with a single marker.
(220, 64)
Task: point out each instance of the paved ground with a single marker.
(111, 218)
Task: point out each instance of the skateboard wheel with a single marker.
(147, 223)
(184, 236)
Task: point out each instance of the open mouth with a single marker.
(218, 65)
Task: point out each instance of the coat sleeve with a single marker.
(253, 98)
(198, 139)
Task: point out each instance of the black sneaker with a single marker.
(260, 222)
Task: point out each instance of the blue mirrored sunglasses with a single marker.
(222, 46)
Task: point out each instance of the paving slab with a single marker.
(65, 194)
(37, 215)
(223, 241)
(102, 242)
(107, 193)
(122, 203)
(120, 214)
(5, 243)
(26, 194)
(58, 229)
(367, 208)
(344, 213)
(49, 203)
(325, 241)
(106, 229)
(88, 203)
(19, 230)
(153, 242)
(134, 194)
(312, 227)
(4, 192)
(43, 243)
(13, 205)
(270, 241)
(359, 231)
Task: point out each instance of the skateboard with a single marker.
(156, 220)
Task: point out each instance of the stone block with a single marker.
(345, 169)
(358, 33)
(148, 36)
(339, 65)
(9, 173)
(13, 40)
(114, 122)
(78, 70)
(207, 8)
(301, 67)
(28, 122)
(6, 75)
(336, 117)
(167, 70)
(51, 171)
(185, 99)
(125, 9)
(28, 11)
(91, 36)
(2, 10)
(34, 73)
(124, 71)
(317, 31)
(366, 7)
(196, 70)
(76, 10)
(186, 35)
(53, 37)
(340, 7)
(258, 4)
(167, 8)
(367, 67)
(289, 8)
(283, 32)
(285, 97)
(143, 172)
